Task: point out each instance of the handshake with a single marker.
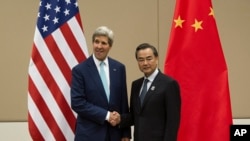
(114, 118)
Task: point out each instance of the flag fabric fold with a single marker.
(59, 44)
(195, 59)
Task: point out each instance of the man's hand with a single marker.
(114, 118)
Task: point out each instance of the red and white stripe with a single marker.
(50, 115)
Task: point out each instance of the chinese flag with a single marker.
(195, 59)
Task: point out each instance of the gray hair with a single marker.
(104, 31)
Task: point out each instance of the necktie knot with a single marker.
(102, 64)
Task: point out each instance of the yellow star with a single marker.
(211, 12)
(178, 22)
(197, 25)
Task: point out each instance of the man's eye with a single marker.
(104, 43)
(148, 59)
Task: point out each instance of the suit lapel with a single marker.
(112, 76)
(96, 77)
(151, 89)
(137, 95)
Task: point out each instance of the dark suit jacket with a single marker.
(159, 116)
(89, 101)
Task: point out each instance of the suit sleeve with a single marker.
(127, 119)
(125, 108)
(79, 102)
(173, 105)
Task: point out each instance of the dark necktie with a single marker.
(144, 90)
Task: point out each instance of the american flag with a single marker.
(59, 44)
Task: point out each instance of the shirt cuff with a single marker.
(107, 116)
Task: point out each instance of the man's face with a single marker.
(147, 62)
(101, 47)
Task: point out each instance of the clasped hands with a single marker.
(115, 118)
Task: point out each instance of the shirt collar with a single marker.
(152, 76)
(97, 62)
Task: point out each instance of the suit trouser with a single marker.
(107, 135)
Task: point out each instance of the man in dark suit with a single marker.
(156, 114)
(98, 88)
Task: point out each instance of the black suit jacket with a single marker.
(159, 117)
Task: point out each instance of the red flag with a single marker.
(59, 44)
(195, 59)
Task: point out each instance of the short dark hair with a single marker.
(144, 46)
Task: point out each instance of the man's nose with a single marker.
(145, 62)
(99, 45)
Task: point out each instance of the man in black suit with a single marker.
(155, 117)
